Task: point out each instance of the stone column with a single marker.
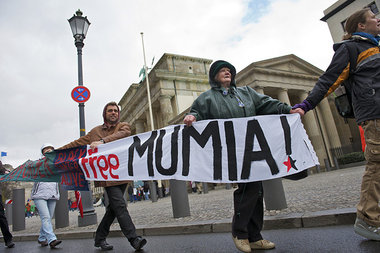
(332, 133)
(166, 108)
(311, 126)
(259, 89)
(139, 124)
(324, 131)
(283, 96)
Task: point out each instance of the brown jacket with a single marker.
(121, 130)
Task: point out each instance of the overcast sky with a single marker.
(38, 59)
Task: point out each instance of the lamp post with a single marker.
(79, 26)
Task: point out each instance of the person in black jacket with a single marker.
(146, 190)
(362, 32)
(3, 219)
(130, 192)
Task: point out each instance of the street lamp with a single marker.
(79, 26)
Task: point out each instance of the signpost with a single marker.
(80, 94)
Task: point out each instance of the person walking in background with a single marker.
(8, 238)
(199, 187)
(28, 210)
(130, 192)
(362, 29)
(225, 100)
(134, 194)
(146, 190)
(45, 196)
(112, 129)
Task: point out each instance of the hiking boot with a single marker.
(138, 243)
(103, 244)
(242, 244)
(262, 244)
(367, 231)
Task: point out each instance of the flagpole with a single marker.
(147, 84)
(152, 185)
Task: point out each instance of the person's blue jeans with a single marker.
(131, 198)
(46, 211)
(146, 194)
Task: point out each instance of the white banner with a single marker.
(219, 151)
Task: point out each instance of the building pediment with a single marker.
(284, 65)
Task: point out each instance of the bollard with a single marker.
(228, 186)
(274, 195)
(327, 164)
(153, 191)
(89, 214)
(205, 188)
(18, 209)
(62, 210)
(180, 199)
(160, 192)
(336, 163)
(8, 213)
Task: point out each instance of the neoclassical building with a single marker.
(176, 81)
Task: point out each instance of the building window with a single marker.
(373, 8)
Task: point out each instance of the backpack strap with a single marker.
(353, 55)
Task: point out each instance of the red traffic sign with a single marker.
(80, 94)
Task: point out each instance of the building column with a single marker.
(329, 131)
(311, 126)
(328, 118)
(139, 124)
(259, 89)
(283, 96)
(166, 108)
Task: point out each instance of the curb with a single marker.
(334, 217)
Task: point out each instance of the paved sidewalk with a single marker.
(321, 199)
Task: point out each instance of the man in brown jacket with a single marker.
(111, 130)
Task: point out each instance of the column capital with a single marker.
(165, 96)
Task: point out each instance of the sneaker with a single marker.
(10, 244)
(43, 243)
(242, 244)
(138, 243)
(103, 244)
(367, 231)
(54, 244)
(262, 244)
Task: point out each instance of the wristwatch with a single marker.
(102, 141)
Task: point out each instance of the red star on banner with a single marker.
(290, 163)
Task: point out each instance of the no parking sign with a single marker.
(80, 94)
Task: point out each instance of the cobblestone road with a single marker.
(323, 191)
